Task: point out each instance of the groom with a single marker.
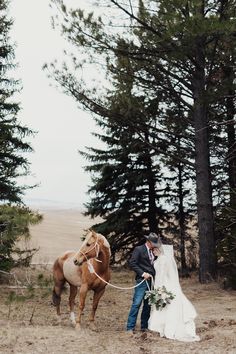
(141, 262)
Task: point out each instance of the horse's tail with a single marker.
(59, 282)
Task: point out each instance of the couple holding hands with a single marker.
(154, 265)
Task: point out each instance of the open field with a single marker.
(28, 323)
(60, 230)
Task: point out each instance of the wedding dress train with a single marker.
(176, 320)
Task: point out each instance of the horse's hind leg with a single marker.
(56, 295)
(59, 282)
(73, 293)
(96, 297)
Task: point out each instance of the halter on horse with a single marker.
(83, 256)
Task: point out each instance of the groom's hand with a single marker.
(146, 275)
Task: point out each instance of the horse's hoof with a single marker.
(77, 326)
(92, 326)
(72, 318)
(57, 320)
(73, 324)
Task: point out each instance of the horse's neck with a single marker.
(104, 257)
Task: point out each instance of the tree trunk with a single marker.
(207, 254)
(152, 208)
(181, 220)
(232, 182)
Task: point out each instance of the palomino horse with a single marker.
(73, 267)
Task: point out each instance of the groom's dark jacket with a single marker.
(140, 262)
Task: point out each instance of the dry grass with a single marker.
(30, 327)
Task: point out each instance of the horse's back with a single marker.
(58, 264)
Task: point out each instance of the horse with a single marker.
(75, 269)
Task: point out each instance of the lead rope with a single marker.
(152, 284)
(92, 270)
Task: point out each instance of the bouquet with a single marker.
(159, 297)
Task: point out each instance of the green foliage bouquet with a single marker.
(159, 297)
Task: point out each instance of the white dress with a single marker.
(176, 320)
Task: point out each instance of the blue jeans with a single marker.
(138, 298)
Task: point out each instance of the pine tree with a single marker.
(15, 218)
(125, 183)
(14, 227)
(12, 133)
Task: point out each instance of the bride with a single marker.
(176, 320)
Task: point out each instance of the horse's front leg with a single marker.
(96, 297)
(73, 293)
(82, 296)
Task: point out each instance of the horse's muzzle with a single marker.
(78, 263)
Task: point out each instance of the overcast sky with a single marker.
(62, 127)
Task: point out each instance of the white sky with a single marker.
(62, 128)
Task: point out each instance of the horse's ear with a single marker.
(93, 232)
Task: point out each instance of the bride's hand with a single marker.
(156, 252)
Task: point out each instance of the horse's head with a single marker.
(89, 249)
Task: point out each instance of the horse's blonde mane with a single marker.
(103, 238)
(105, 242)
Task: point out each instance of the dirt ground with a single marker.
(28, 323)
